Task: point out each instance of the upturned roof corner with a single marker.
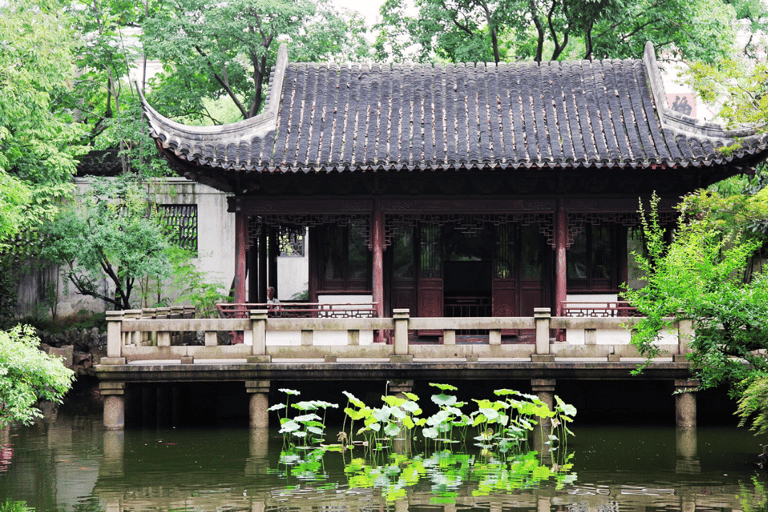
(175, 135)
(681, 122)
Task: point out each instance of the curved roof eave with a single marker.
(613, 114)
(171, 132)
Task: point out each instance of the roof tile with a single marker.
(396, 117)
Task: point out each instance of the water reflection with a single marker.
(72, 465)
(686, 442)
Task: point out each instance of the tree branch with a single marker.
(225, 85)
(539, 30)
(550, 16)
(85, 287)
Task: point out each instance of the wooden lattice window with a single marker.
(591, 259)
(431, 252)
(181, 223)
(292, 242)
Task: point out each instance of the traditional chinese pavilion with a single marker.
(467, 190)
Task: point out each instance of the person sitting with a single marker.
(274, 308)
(271, 298)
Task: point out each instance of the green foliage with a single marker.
(306, 427)
(112, 233)
(705, 275)
(701, 277)
(399, 419)
(27, 375)
(15, 506)
(227, 49)
(445, 472)
(508, 30)
(754, 500)
(504, 461)
(38, 137)
(741, 89)
(8, 282)
(752, 402)
(193, 285)
(713, 272)
(108, 106)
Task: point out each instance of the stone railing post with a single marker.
(684, 336)
(259, 335)
(401, 318)
(542, 317)
(114, 338)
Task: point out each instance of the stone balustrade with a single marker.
(168, 334)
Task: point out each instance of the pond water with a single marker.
(71, 464)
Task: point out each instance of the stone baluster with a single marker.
(542, 317)
(684, 337)
(259, 335)
(114, 338)
(401, 319)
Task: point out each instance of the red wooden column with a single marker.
(561, 269)
(263, 264)
(274, 252)
(377, 244)
(241, 237)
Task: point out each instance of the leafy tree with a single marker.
(106, 102)
(739, 86)
(226, 49)
(193, 286)
(474, 30)
(28, 375)
(707, 275)
(112, 232)
(39, 139)
(712, 273)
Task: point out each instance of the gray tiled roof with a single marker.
(323, 117)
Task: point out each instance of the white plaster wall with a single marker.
(284, 338)
(215, 236)
(292, 276)
(215, 226)
(604, 336)
(33, 287)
